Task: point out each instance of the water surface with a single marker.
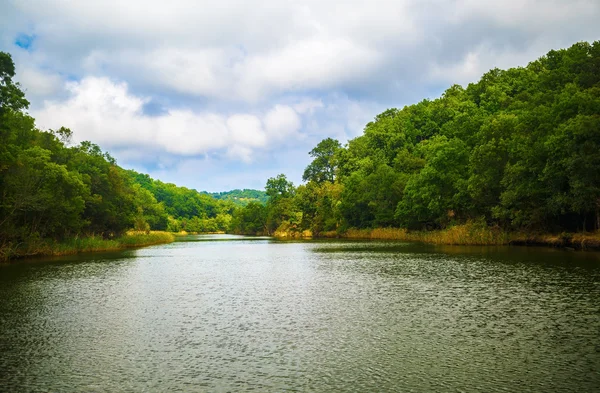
(227, 313)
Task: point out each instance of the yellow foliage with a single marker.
(467, 234)
(92, 244)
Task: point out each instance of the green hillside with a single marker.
(241, 197)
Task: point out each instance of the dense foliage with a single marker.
(520, 149)
(50, 190)
(188, 210)
(241, 197)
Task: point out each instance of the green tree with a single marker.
(250, 219)
(323, 166)
(11, 95)
(438, 193)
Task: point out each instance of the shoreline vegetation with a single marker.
(49, 247)
(470, 234)
(513, 158)
(59, 198)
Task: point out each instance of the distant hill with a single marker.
(240, 197)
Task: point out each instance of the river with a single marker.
(227, 313)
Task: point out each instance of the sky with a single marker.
(218, 95)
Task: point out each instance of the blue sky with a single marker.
(222, 95)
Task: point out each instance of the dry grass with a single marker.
(467, 234)
(286, 230)
(77, 245)
(471, 233)
(293, 234)
(476, 234)
(586, 241)
(141, 239)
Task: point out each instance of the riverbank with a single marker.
(467, 234)
(78, 245)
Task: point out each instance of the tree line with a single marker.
(240, 197)
(518, 150)
(186, 209)
(51, 189)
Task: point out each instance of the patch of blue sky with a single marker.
(154, 108)
(25, 41)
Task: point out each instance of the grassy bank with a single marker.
(467, 234)
(77, 245)
(472, 234)
(288, 234)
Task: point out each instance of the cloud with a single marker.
(305, 65)
(247, 82)
(105, 112)
(282, 121)
(249, 52)
(528, 15)
(308, 105)
(38, 83)
(229, 73)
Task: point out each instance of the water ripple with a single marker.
(261, 315)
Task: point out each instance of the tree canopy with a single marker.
(519, 149)
(50, 189)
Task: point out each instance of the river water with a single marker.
(226, 313)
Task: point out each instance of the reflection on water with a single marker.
(221, 313)
(220, 237)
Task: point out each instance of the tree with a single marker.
(438, 193)
(370, 201)
(279, 187)
(42, 198)
(572, 170)
(11, 95)
(250, 219)
(323, 167)
(280, 207)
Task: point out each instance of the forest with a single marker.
(184, 209)
(241, 197)
(54, 193)
(519, 150)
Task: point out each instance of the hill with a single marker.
(241, 197)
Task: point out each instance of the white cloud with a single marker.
(236, 50)
(282, 121)
(524, 14)
(38, 83)
(198, 71)
(247, 130)
(308, 106)
(304, 65)
(252, 51)
(241, 153)
(229, 73)
(105, 112)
